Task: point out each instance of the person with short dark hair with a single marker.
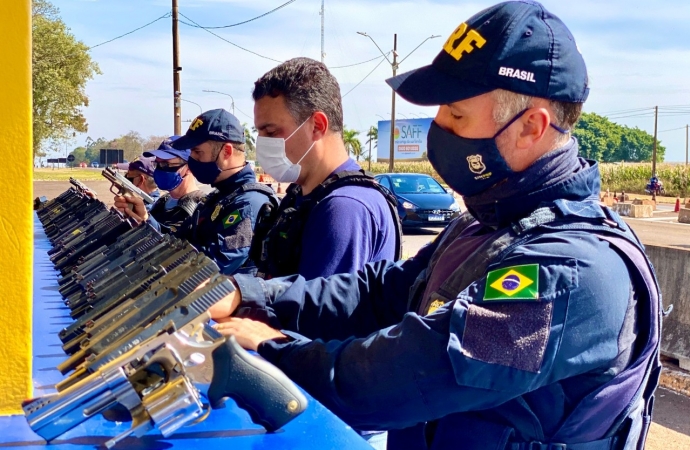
(335, 217)
(533, 321)
(221, 226)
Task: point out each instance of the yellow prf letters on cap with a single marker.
(465, 46)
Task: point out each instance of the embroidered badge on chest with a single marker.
(216, 211)
(513, 283)
(436, 304)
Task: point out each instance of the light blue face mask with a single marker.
(167, 180)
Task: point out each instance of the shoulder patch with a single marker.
(513, 283)
(232, 219)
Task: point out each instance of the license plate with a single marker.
(435, 218)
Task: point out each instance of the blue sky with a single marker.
(637, 53)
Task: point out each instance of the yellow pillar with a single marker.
(16, 217)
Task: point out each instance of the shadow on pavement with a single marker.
(421, 231)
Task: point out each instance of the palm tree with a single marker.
(352, 144)
(373, 135)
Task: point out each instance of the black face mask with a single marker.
(469, 166)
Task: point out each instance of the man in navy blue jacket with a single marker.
(223, 225)
(533, 321)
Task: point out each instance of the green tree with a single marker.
(249, 142)
(93, 148)
(132, 143)
(61, 67)
(153, 142)
(606, 141)
(352, 143)
(79, 154)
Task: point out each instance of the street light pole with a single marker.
(189, 101)
(223, 93)
(395, 70)
(394, 65)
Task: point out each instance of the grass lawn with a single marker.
(46, 174)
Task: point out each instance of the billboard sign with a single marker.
(410, 139)
(109, 156)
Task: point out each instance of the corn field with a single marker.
(633, 177)
(629, 177)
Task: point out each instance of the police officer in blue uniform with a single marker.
(222, 225)
(173, 175)
(533, 321)
(140, 174)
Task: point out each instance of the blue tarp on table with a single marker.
(228, 428)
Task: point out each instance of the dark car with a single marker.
(422, 201)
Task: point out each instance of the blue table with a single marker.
(229, 428)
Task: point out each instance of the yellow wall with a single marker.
(16, 219)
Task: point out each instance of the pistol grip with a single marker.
(257, 386)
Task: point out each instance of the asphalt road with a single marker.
(671, 427)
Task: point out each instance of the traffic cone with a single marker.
(261, 178)
(677, 208)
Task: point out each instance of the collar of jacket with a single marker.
(246, 175)
(560, 174)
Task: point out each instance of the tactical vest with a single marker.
(174, 217)
(204, 224)
(277, 245)
(618, 414)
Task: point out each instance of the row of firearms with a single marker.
(141, 346)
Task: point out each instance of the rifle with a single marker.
(161, 383)
(125, 187)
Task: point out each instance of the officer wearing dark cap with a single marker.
(172, 174)
(221, 226)
(140, 174)
(533, 321)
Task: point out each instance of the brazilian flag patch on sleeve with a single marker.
(513, 283)
(232, 219)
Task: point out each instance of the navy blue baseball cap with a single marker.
(143, 165)
(517, 45)
(215, 125)
(166, 151)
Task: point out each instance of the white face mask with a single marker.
(271, 156)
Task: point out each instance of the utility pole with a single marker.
(394, 65)
(395, 69)
(177, 104)
(686, 145)
(323, 16)
(656, 115)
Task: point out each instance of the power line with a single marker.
(247, 115)
(245, 21)
(359, 63)
(223, 39)
(625, 111)
(372, 71)
(672, 129)
(164, 16)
